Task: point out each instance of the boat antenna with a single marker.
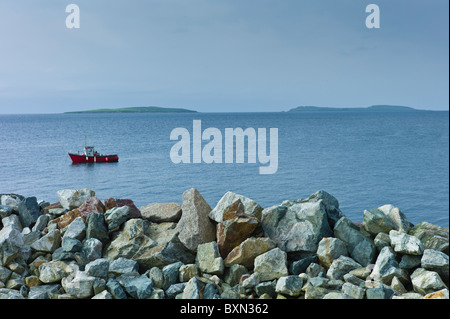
(85, 141)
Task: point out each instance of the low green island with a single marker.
(138, 109)
(373, 108)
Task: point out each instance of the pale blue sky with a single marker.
(222, 55)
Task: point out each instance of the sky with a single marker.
(222, 55)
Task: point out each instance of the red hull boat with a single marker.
(91, 156)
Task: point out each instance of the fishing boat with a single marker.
(89, 155)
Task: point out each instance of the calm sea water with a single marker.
(364, 159)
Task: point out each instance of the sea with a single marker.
(364, 159)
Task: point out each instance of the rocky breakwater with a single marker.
(82, 247)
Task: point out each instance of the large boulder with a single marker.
(360, 248)
(297, 228)
(251, 208)
(330, 249)
(375, 221)
(341, 266)
(11, 243)
(386, 267)
(437, 261)
(194, 227)
(71, 198)
(397, 218)
(209, 260)
(150, 244)
(162, 212)
(432, 236)
(29, 211)
(271, 265)
(248, 250)
(234, 229)
(331, 205)
(426, 282)
(48, 243)
(405, 244)
(79, 285)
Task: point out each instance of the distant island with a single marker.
(373, 108)
(138, 109)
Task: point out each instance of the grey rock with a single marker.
(171, 274)
(289, 285)
(331, 205)
(44, 291)
(298, 228)
(354, 291)
(161, 212)
(380, 292)
(271, 265)
(330, 249)
(382, 240)
(13, 221)
(5, 211)
(150, 244)
(432, 236)
(11, 243)
(336, 295)
(122, 266)
(41, 222)
(11, 200)
(437, 261)
(375, 221)
(29, 211)
(425, 281)
(405, 244)
(251, 208)
(5, 273)
(234, 274)
(410, 261)
(266, 287)
(208, 259)
(386, 267)
(398, 286)
(350, 234)
(397, 218)
(157, 276)
(352, 279)
(175, 289)
(96, 227)
(195, 227)
(312, 292)
(250, 282)
(76, 229)
(71, 199)
(79, 285)
(364, 253)
(198, 289)
(49, 242)
(186, 272)
(341, 266)
(98, 268)
(314, 270)
(116, 216)
(115, 289)
(139, 287)
(92, 249)
(299, 266)
(54, 271)
(71, 245)
(103, 295)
